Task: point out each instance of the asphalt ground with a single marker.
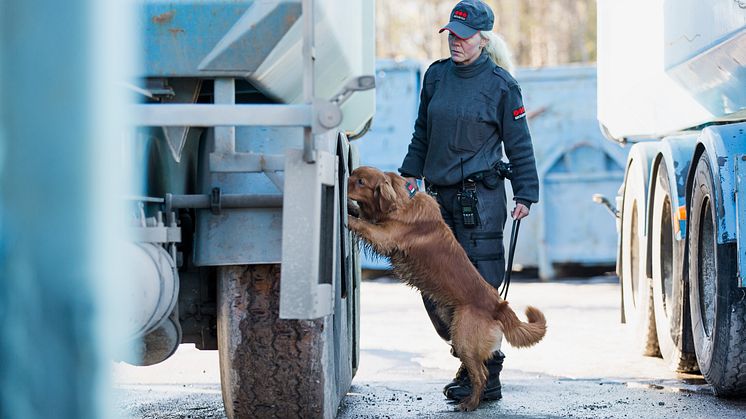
(584, 367)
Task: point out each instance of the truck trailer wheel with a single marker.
(636, 286)
(268, 367)
(670, 296)
(718, 306)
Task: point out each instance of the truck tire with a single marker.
(637, 298)
(718, 306)
(269, 367)
(670, 296)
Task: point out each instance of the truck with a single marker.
(245, 113)
(672, 82)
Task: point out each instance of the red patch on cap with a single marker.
(460, 14)
(519, 113)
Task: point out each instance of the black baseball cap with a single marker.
(469, 17)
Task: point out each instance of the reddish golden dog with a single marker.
(426, 255)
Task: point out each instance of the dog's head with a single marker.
(376, 192)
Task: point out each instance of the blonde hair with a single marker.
(498, 50)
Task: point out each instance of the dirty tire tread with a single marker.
(728, 373)
(684, 362)
(650, 340)
(672, 318)
(270, 368)
(722, 355)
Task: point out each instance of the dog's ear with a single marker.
(386, 196)
(396, 180)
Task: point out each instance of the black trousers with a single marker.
(483, 243)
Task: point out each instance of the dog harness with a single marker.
(412, 189)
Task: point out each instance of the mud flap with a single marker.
(309, 233)
(740, 163)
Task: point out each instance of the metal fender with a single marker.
(724, 145)
(676, 153)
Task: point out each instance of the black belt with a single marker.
(486, 257)
(433, 189)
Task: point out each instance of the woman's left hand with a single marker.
(520, 211)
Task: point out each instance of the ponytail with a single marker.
(498, 50)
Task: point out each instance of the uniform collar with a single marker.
(471, 70)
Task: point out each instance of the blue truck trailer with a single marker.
(238, 220)
(674, 83)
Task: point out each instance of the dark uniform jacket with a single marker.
(467, 113)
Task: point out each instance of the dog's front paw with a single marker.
(469, 404)
(353, 222)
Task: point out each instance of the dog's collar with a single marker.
(412, 189)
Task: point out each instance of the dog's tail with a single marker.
(521, 334)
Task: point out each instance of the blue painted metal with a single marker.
(261, 41)
(682, 66)
(740, 163)
(574, 160)
(245, 236)
(569, 178)
(248, 43)
(723, 143)
(252, 235)
(60, 121)
(676, 153)
(705, 51)
(178, 35)
(397, 100)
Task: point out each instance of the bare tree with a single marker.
(539, 32)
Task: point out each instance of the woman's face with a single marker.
(465, 51)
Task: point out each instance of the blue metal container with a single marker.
(573, 159)
(384, 146)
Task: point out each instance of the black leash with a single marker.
(511, 252)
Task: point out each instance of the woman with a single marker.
(470, 107)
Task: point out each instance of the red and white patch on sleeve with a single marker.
(519, 113)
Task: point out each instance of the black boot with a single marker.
(462, 375)
(462, 378)
(492, 390)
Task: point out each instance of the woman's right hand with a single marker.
(520, 211)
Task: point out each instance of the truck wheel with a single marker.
(268, 367)
(670, 297)
(718, 306)
(636, 286)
